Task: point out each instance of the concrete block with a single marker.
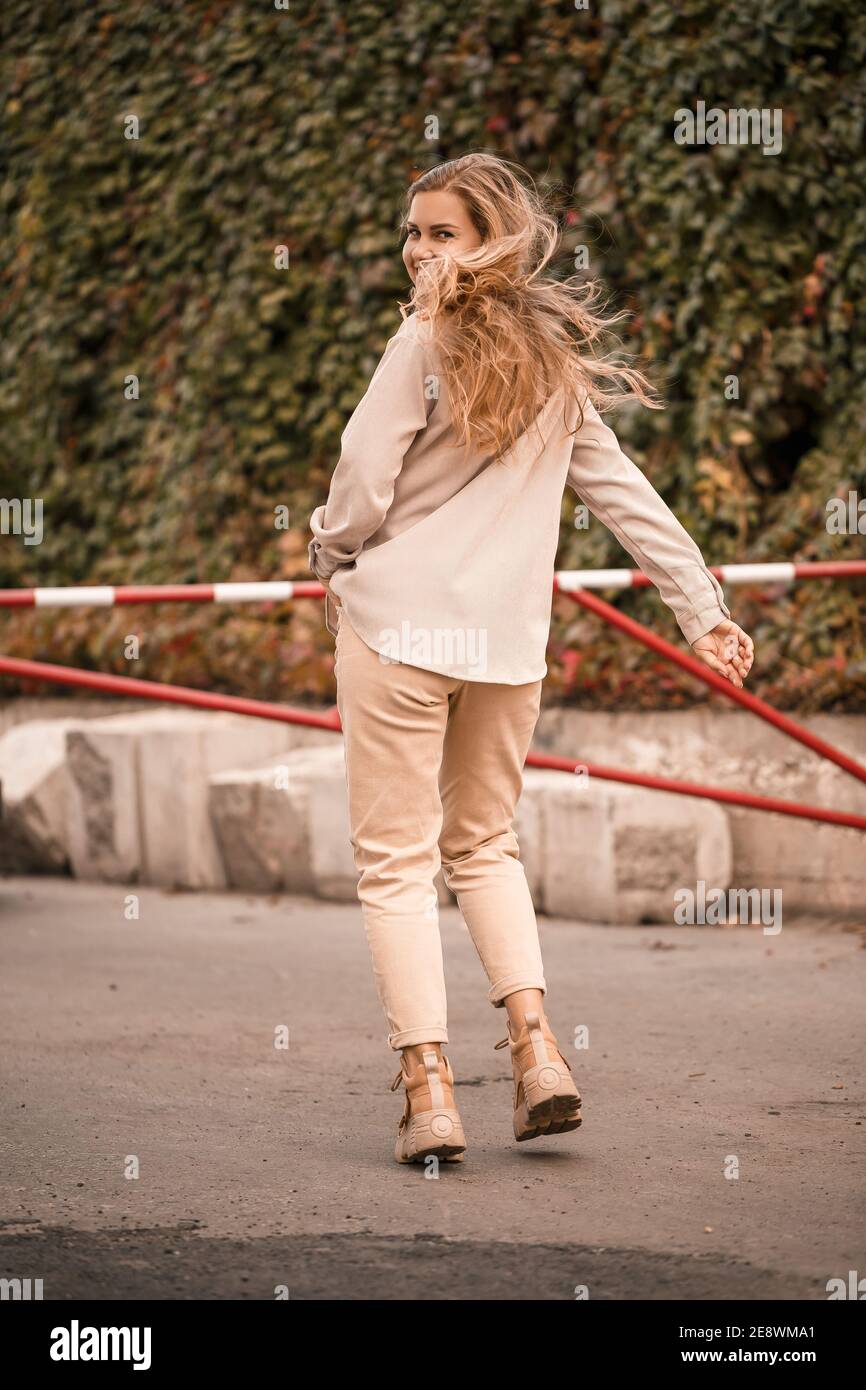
(284, 826)
(137, 801)
(261, 818)
(819, 869)
(608, 852)
(529, 820)
(332, 858)
(33, 835)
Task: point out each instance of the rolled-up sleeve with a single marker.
(393, 409)
(622, 497)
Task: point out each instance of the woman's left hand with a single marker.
(727, 650)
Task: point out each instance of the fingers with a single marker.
(733, 675)
(738, 651)
(745, 653)
(722, 668)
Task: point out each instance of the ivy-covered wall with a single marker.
(256, 127)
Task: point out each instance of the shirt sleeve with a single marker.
(393, 409)
(622, 497)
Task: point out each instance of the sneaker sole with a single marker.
(443, 1153)
(554, 1116)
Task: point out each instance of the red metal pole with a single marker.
(668, 784)
(697, 668)
(171, 694)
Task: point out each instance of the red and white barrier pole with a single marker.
(281, 590)
(109, 595)
(566, 581)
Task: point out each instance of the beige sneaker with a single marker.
(431, 1123)
(546, 1100)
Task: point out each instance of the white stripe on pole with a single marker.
(751, 574)
(569, 580)
(249, 593)
(102, 596)
(593, 579)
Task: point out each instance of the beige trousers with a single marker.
(434, 768)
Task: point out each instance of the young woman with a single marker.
(437, 547)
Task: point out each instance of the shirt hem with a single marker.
(451, 673)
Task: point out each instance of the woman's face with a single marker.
(438, 225)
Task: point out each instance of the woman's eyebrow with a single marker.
(437, 226)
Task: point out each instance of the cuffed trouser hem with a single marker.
(411, 1037)
(496, 994)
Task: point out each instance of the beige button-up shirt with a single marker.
(443, 557)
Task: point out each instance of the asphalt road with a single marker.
(157, 1144)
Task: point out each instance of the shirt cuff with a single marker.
(699, 624)
(319, 563)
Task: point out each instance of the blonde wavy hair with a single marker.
(508, 335)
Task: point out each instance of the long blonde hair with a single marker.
(507, 335)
